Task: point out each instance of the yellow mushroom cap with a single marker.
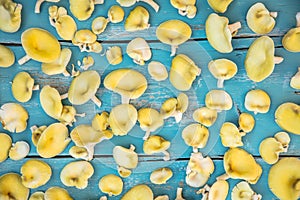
(150, 119)
(168, 107)
(124, 157)
(157, 71)
(10, 16)
(259, 19)
(195, 135)
(36, 133)
(230, 135)
(5, 143)
(246, 122)
(137, 19)
(11, 187)
(185, 7)
(284, 179)
(53, 141)
(35, 173)
(219, 190)
(99, 25)
(37, 196)
(51, 102)
(7, 55)
(77, 174)
(100, 121)
(19, 150)
(66, 27)
(111, 185)
(114, 55)
(161, 176)
(269, 150)
(82, 9)
(33, 43)
(139, 192)
(138, 49)
(84, 36)
(219, 6)
(243, 191)
(115, 14)
(218, 100)
(22, 87)
(79, 152)
(126, 3)
(257, 101)
(291, 39)
(295, 80)
(57, 193)
(283, 138)
(205, 116)
(155, 144)
(287, 116)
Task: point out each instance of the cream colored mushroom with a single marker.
(150, 120)
(83, 9)
(257, 101)
(283, 179)
(35, 173)
(126, 159)
(260, 59)
(295, 80)
(287, 116)
(161, 176)
(157, 71)
(230, 135)
(11, 187)
(222, 69)
(139, 192)
(157, 144)
(137, 20)
(198, 170)
(205, 116)
(185, 8)
(8, 57)
(37, 196)
(179, 194)
(38, 4)
(22, 87)
(219, 6)
(53, 141)
(218, 100)
(291, 39)
(183, 72)
(173, 33)
(86, 40)
(10, 16)
(33, 43)
(260, 20)
(195, 135)
(115, 14)
(99, 25)
(246, 122)
(57, 193)
(128, 3)
(219, 33)
(36, 133)
(13, 117)
(19, 150)
(114, 55)
(51, 102)
(111, 184)
(242, 190)
(100, 121)
(129, 83)
(138, 49)
(5, 143)
(76, 174)
(218, 191)
(284, 139)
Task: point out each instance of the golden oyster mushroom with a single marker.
(138, 49)
(257, 101)
(114, 55)
(173, 33)
(230, 135)
(59, 65)
(87, 61)
(19, 150)
(295, 80)
(11, 187)
(37, 196)
(7, 56)
(205, 116)
(128, 3)
(37, 8)
(137, 20)
(218, 191)
(111, 184)
(99, 25)
(291, 39)
(57, 193)
(243, 191)
(10, 16)
(36, 133)
(100, 121)
(195, 135)
(287, 116)
(157, 71)
(185, 7)
(246, 122)
(139, 192)
(83, 9)
(218, 100)
(157, 144)
(5, 143)
(161, 176)
(219, 6)
(126, 159)
(86, 40)
(51, 102)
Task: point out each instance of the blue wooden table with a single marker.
(198, 48)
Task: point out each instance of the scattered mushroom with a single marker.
(218, 191)
(222, 69)
(128, 3)
(295, 80)
(205, 116)
(242, 190)
(138, 19)
(291, 39)
(260, 59)
(7, 58)
(183, 72)
(161, 176)
(37, 196)
(10, 16)
(114, 55)
(111, 184)
(196, 136)
(129, 83)
(139, 192)
(11, 187)
(185, 8)
(246, 122)
(86, 40)
(5, 143)
(35, 173)
(157, 144)
(173, 33)
(218, 100)
(19, 150)
(138, 49)
(99, 25)
(33, 43)
(83, 9)
(57, 193)
(126, 159)
(257, 101)
(79, 152)
(37, 8)
(87, 62)
(36, 133)
(287, 116)
(157, 71)
(13, 117)
(219, 33)
(179, 194)
(219, 6)
(100, 121)
(231, 136)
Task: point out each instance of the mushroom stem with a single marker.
(132, 147)
(38, 4)
(147, 134)
(33, 128)
(256, 197)
(167, 155)
(179, 193)
(80, 115)
(278, 60)
(274, 14)
(173, 50)
(152, 3)
(234, 27)
(98, 1)
(220, 83)
(90, 149)
(178, 116)
(125, 99)
(52, 23)
(36, 87)
(182, 12)
(298, 19)
(204, 191)
(23, 60)
(66, 73)
(195, 149)
(64, 96)
(74, 72)
(103, 198)
(223, 177)
(96, 101)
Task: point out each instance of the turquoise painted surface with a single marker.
(277, 86)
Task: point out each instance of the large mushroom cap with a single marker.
(257, 101)
(11, 187)
(33, 42)
(51, 101)
(287, 116)
(219, 5)
(5, 143)
(82, 9)
(10, 16)
(7, 58)
(139, 192)
(124, 157)
(195, 135)
(218, 100)
(22, 87)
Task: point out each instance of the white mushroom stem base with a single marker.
(173, 50)
(80, 115)
(178, 116)
(220, 83)
(36, 87)
(64, 96)
(147, 134)
(38, 6)
(223, 177)
(278, 60)
(179, 194)
(66, 73)
(256, 197)
(96, 101)
(125, 99)
(204, 191)
(98, 1)
(33, 128)
(234, 27)
(195, 149)
(103, 198)
(274, 14)
(152, 3)
(167, 155)
(90, 149)
(298, 19)
(23, 60)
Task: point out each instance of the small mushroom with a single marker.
(157, 71)
(230, 135)
(78, 152)
(295, 80)
(183, 72)
(218, 100)
(10, 16)
(53, 141)
(86, 40)
(13, 117)
(173, 33)
(87, 62)
(284, 139)
(5, 143)
(219, 6)
(137, 20)
(37, 8)
(287, 116)
(257, 101)
(7, 58)
(77, 174)
(161, 176)
(36, 133)
(129, 83)
(283, 179)
(260, 59)
(205, 116)
(291, 39)
(37, 196)
(22, 87)
(195, 135)
(138, 49)
(35, 173)
(126, 159)
(198, 170)
(242, 190)
(111, 184)
(218, 191)
(59, 65)
(57, 193)
(11, 187)
(99, 25)
(219, 33)
(185, 8)
(33, 43)
(83, 9)
(139, 192)
(115, 14)
(222, 69)
(260, 20)
(128, 3)
(246, 122)
(19, 150)
(100, 121)
(114, 55)
(150, 120)
(179, 194)
(157, 144)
